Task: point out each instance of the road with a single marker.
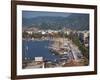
(74, 52)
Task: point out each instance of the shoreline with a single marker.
(37, 39)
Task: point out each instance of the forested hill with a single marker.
(74, 21)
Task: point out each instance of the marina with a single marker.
(51, 53)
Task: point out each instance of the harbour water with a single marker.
(37, 48)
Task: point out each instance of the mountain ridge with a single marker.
(73, 21)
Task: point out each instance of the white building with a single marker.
(29, 32)
(39, 59)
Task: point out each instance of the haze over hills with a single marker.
(73, 21)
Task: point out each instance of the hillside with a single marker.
(74, 21)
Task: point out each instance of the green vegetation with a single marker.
(76, 41)
(25, 34)
(36, 35)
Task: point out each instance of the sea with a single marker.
(38, 48)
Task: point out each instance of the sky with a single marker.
(32, 14)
